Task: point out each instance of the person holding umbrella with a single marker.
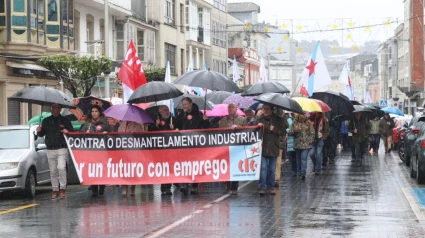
(273, 128)
(233, 120)
(165, 122)
(321, 129)
(190, 119)
(303, 132)
(386, 126)
(360, 128)
(96, 122)
(57, 152)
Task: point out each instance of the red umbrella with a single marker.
(324, 106)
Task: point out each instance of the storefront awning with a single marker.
(25, 66)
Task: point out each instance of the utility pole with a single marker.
(106, 40)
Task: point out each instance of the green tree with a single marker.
(78, 74)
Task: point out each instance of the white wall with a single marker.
(97, 14)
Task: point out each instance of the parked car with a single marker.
(409, 136)
(417, 163)
(397, 132)
(23, 160)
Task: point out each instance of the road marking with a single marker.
(413, 204)
(18, 208)
(163, 230)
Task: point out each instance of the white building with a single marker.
(205, 24)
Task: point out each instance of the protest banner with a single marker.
(167, 157)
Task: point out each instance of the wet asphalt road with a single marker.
(376, 200)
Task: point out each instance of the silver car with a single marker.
(23, 159)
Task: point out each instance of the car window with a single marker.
(20, 140)
(414, 119)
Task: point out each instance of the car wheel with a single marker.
(401, 153)
(30, 183)
(420, 175)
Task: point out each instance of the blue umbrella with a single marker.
(392, 110)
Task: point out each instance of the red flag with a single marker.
(303, 91)
(131, 72)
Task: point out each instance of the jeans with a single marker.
(316, 154)
(374, 143)
(57, 164)
(292, 156)
(268, 172)
(302, 161)
(360, 149)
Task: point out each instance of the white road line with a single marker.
(163, 230)
(413, 204)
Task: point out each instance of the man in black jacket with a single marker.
(190, 119)
(53, 127)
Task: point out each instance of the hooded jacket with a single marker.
(362, 126)
(374, 126)
(386, 126)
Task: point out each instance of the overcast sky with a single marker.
(324, 14)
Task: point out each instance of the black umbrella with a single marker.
(354, 102)
(265, 87)
(339, 103)
(207, 79)
(218, 97)
(198, 100)
(280, 101)
(360, 108)
(42, 96)
(153, 92)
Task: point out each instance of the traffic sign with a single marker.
(383, 103)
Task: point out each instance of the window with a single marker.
(170, 55)
(223, 5)
(182, 18)
(181, 61)
(217, 3)
(219, 34)
(187, 15)
(169, 12)
(52, 24)
(19, 22)
(200, 13)
(119, 29)
(141, 45)
(2, 13)
(139, 7)
(150, 46)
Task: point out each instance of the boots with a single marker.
(55, 194)
(62, 193)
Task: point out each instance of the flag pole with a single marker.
(296, 87)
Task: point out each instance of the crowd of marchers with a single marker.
(287, 138)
